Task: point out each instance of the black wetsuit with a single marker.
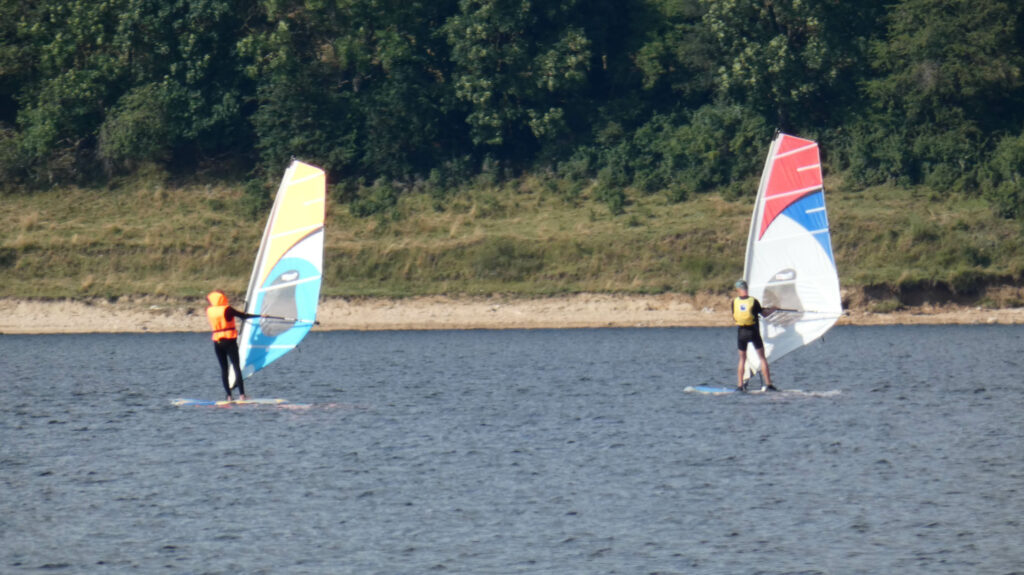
(227, 351)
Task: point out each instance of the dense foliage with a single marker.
(661, 96)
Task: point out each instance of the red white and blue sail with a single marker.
(790, 264)
(286, 279)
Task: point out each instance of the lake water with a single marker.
(561, 451)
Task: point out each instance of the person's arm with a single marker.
(233, 313)
(764, 312)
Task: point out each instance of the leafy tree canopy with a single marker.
(674, 96)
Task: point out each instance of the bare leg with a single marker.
(739, 369)
(764, 368)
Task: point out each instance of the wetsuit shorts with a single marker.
(749, 334)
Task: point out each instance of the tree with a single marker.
(942, 54)
(182, 55)
(77, 73)
(171, 62)
(794, 61)
(517, 63)
(360, 87)
(949, 77)
(677, 58)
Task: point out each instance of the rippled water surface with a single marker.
(516, 452)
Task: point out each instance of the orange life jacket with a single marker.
(223, 328)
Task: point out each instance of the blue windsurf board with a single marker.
(710, 389)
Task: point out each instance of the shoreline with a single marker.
(146, 314)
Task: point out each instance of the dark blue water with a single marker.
(516, 452)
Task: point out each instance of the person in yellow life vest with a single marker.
(746, 311)
(225, 339)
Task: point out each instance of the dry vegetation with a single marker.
(894, 246)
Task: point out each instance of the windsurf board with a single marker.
(717, 390)
(224, 403)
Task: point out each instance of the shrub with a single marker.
(255, 199)
(677, 192)
(720, 146)
(378, 199)
(12, 160)
(656, 156)
(612, 180)
(578, 167)
(1002, 180)
(443, 180)
(875, 155)
(137, 129)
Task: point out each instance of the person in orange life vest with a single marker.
(225, 338)
(745, 311)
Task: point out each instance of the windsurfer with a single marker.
(225, 339)
(745, 311)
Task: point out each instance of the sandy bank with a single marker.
(145, 314)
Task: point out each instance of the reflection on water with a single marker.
(515, 452)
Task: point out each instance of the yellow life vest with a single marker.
(743, 311)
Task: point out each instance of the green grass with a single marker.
(525, 238)
(916, 240)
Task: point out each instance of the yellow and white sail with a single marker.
(286, 279)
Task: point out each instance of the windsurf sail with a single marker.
(789, 263)
(285, 283)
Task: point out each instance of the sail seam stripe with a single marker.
(809, 167)
(796, 151)
(296, 230)
(792, 236)
(800, 191)
(288, 284)
(306, 179)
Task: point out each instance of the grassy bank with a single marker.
(893, 245)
